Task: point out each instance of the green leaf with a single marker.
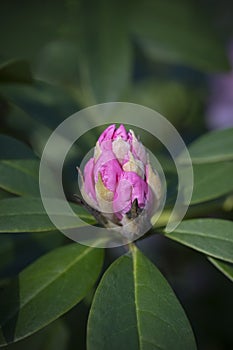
(20, 176)
(28, 215)
(47, 289)
(225, 268)
(135, 308)
(213, 237)
(105, 61)
(167, 97)
(4, 194)
(6, 250)
(53, 337)
(20, 122)
(211, 181)
(15, 71)
(17, 251)
(11, 148)
(45, 103)
(34, 27)
(57, 63)
(178, 32)
(215, 146)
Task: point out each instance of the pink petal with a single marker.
(120, 132)
(106, 145)
(107, 134)
(121, 149)
(137, 148)
(109, 169)
(89, 185)
(122, 198)
(130, 187)
(139, 187)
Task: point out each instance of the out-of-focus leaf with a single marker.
(215, 146)
(178, 31)
(211, 181)
(6, 250)
(20, 176)
(28, 215)
(11, 148)
(135, 308)
(4, 194)
(18, 121)
(33, 28)
(213, 237)
(15, 71)
(105, 61)
(53, 337)
(225, 268)
(57, 63)
(45, 103)
(47, 289)
(168, 98)
(36, 132)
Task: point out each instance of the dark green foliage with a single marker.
(57, 58)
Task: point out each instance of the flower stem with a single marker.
(132, 247)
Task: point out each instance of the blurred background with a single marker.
(57, 57)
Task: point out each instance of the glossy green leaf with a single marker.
(225, 268)
(27, 214)
(135, 308)
(211, 181)
(213, 237)
(11, 148)
(15, 71)
(214, 146)
(47, 289)
(178, 31)
(20, 177)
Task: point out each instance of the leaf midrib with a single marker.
(134, 258)
(140, 338)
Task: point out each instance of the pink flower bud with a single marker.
(118, 180)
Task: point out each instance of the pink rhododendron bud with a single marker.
(119, 182)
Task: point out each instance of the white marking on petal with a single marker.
(134, 165)
(154, 182)
(104, 197)
(97, 151)
(120, 149)
(138, 149)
